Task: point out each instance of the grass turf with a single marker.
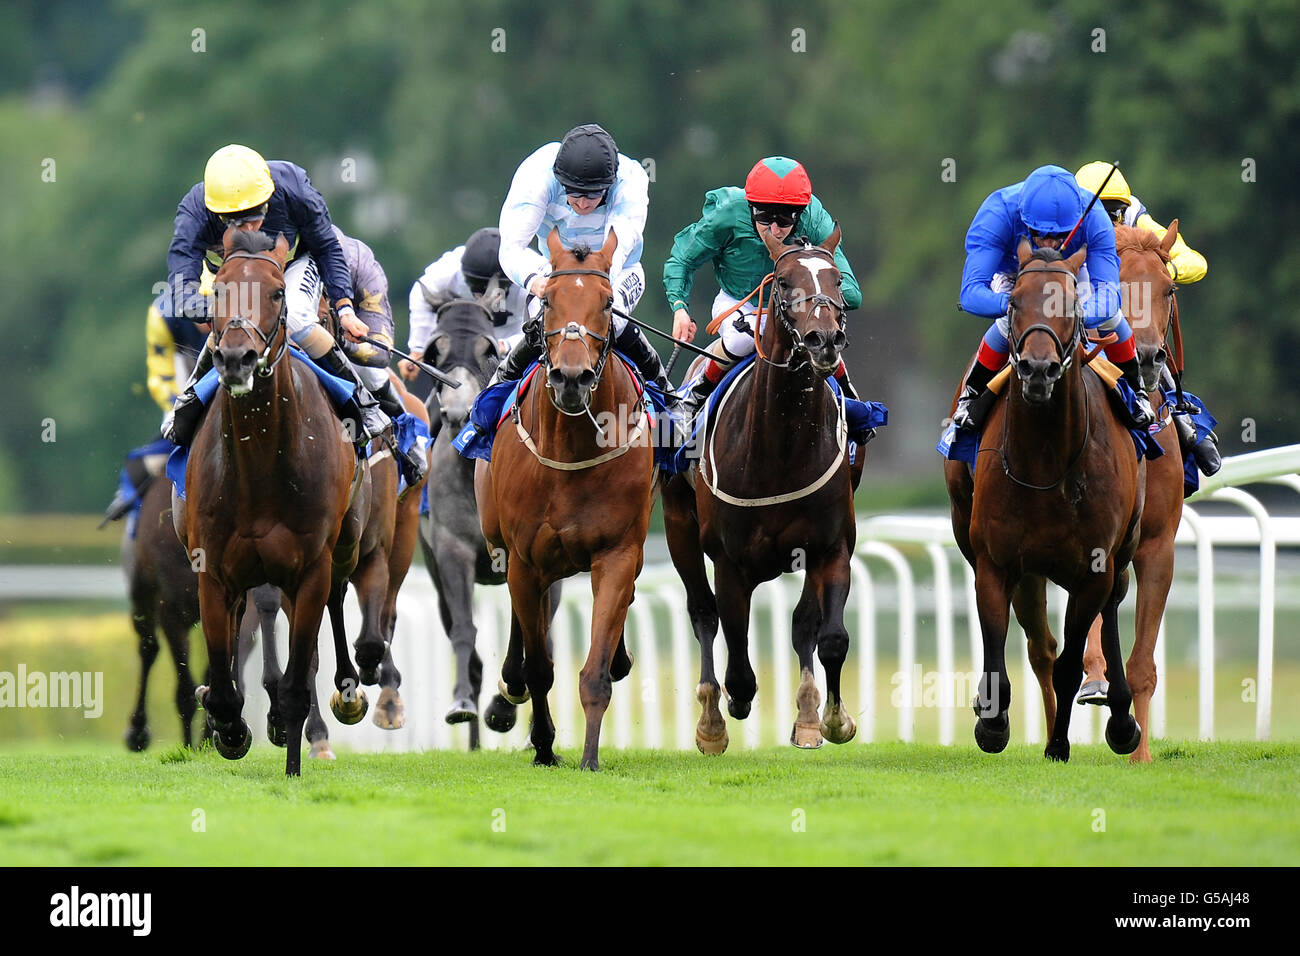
(1197, 804)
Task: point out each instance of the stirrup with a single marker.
(182, 422)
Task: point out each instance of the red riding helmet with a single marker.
(778, 180)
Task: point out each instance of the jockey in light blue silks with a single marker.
(1044, 208)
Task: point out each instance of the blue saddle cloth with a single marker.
(965, 446)
(495, 403)
(339, 391)
(1204, 423)
(862, 417)
(160, 446)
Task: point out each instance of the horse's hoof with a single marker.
(1123, 734)
(505, 692)
(137, 738)
(349, 711)
(618, 675)
(201, 696)
(842, 730)
(275, 732)
(234, 751)
(711, 746)
(593, 764)
(390, 713)
(500, 715)
(368, 675)
(806, 736)
(549, 759)
(1055, 752)
(1093, 692)
(464, 710)
(992, 735)
(320, 750)
(737, 708)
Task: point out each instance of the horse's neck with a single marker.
(574, 437)
(1043, 440)
(787, 408)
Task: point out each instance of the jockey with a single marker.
(1186, 266)
(471, 271)
(584, 188)
(242, 189)
(778, 199)
(1044, 208)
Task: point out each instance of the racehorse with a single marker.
(774, 496)
(275, 495)
(451, 537)
(564, 494)
(1151, 309)
(1057, 494)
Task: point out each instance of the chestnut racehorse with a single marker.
(773, 493)
(275, 495)
(1151, 309)
(564, 494)
(1056, 495)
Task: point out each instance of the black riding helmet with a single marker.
(587, 161)
(482, 259)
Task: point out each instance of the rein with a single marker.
(240, 324)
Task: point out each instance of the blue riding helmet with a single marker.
(1050, 201)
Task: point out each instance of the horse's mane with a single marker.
(251, 240)
(1140, 240)
(580, 252)
(1046, 254)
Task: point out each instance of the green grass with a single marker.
(1197, 804)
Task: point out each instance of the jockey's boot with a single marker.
(517, 361)
(632, 343)
(1206, 451)
(139, 476)
(846, 386)
(182, 421)
(1144, 415)
(968, 416)
(363, 409)
(700, 391)
(412, 461)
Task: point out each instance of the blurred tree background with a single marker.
(109, 111)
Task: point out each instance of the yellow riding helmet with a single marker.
(236, 178)
(1090, 178)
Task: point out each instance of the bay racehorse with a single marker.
(275, 495)
(773, 493)
(1056, 495)
(1151, 308)
(564, 494)
(464, 346)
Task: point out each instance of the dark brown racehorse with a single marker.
(1056, 495)
(274, 496)
(772, 494)
(569, 489)
(1151, 308)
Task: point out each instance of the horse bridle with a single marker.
(1066, 353)
(574, 330)
(781, 306)
(240, 323)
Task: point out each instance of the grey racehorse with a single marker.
(465, 347)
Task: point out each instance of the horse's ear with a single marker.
(554, 246)
(438, 345)
(1171, 236)
(831, 241)
(1024, 251)
(228, 240)
(1075, 262)
(774, 245)
(610, 244)
(281, 250)
(485, 347)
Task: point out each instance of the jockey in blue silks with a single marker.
(1044, 208)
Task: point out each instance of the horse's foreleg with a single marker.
(221, 698)
(806, 623)
(456, 603)
(531, 618)
(1081, 610)
(267, 601)
(993, 600)
(1154, 564)
(371, 580)
(1030, 603)
(177, 631)
(317, 733)
(144, 620)
(837, 724)
(1122, 732)
(613, 579)
(734, 596)
(348, 703)
(314, 590)
(1094, 687)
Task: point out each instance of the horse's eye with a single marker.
(609, 305)
(277, 295)
(783, 283)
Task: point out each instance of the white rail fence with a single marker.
(656, 707)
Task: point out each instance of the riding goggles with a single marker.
(1043, 238)
(783, 217)
(593, 194)
(247, 215)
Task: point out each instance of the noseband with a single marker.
(781, 307)
(265, 363)
(1064, 350)
(573, 330)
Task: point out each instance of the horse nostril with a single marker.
(1053, 371)
(249, 357)
(839, 341)
(555, 378)
(1024, 368)
(587, 378)
(816, 340)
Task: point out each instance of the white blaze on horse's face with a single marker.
(814, 265)
(455, 403)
